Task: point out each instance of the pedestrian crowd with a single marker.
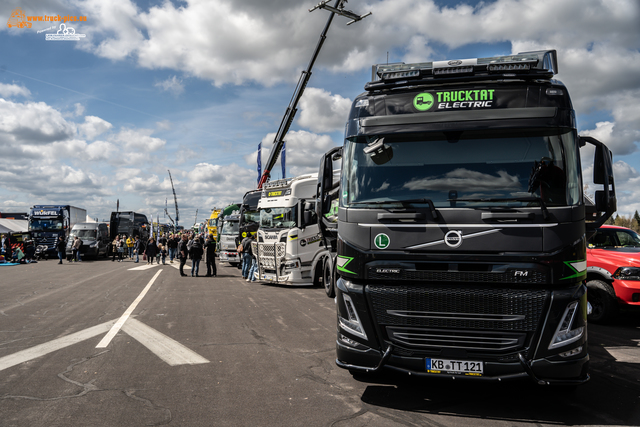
(178, 247)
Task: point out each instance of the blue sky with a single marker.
(194, 86)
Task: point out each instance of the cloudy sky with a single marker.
(193, 87)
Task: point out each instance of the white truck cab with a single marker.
(289, 247)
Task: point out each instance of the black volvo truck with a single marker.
(460, 237)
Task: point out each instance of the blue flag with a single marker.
(283, 158)
(259, 161)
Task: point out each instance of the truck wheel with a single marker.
(604, 305)
(328, 278)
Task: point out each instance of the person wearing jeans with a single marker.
(253, 270)
(196, 252)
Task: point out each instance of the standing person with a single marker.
(77, 244)
(151, 250)
(254, 267)
(172, 243)
(182, 253)
(130, 243)
(210, 253)
(136, 248)
(61, 247)
(6, 247)
(196, 255)
(247, 256)
(163, 254)
(115, 245)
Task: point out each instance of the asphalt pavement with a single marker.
(103, 343)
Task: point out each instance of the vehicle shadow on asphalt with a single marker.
(611, 397)
(594, 403)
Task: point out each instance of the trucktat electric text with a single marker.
(461, 233)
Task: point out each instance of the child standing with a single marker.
(163, 253)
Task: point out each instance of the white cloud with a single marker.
(322, 112)
(94, 126)
(172, 85)
(33, 122)
(9, 90)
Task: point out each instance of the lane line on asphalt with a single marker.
(144, 267)
(116, 327)
(167, 349)
(51, 346)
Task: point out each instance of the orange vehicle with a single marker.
(18, 19)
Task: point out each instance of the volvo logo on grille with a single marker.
(453, 238)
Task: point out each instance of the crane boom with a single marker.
(290, 113)
(175, 198)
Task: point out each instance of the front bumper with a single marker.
(541, 371)
(627, 292)
(226, 256)
(368, 340)
(290, 277)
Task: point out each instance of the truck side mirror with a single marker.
(605, 199)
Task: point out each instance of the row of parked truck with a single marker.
(48, 222)
(454, 235)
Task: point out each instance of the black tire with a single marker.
(604, 305)
(328, 278)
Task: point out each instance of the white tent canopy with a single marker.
(13, 225)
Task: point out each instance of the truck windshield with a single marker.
(84, 234)
(251, 217)
(231, 227)
(278, 217)
(45, 224)
(479, 168)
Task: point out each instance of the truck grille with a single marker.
(458, 276)
(270, 254)
(458, 307)
(432, 339)
(475, 318)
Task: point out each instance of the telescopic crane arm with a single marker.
(175, 199)
(290, 113)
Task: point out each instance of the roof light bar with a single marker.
(543, 62)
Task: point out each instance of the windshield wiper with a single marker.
(545, 211)
(404, 203)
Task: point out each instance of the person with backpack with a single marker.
(195, 252)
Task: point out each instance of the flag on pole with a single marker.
(283, 159)
(259, 161)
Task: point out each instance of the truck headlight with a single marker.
(352, 324)
(289, 265)
(627, 273)
(564, 334)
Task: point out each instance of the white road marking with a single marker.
(145, 267)
(625, 354)
(177, 266)
(167, 349)
(114, 330)
(51, 346)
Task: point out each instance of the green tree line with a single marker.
(632, 222)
